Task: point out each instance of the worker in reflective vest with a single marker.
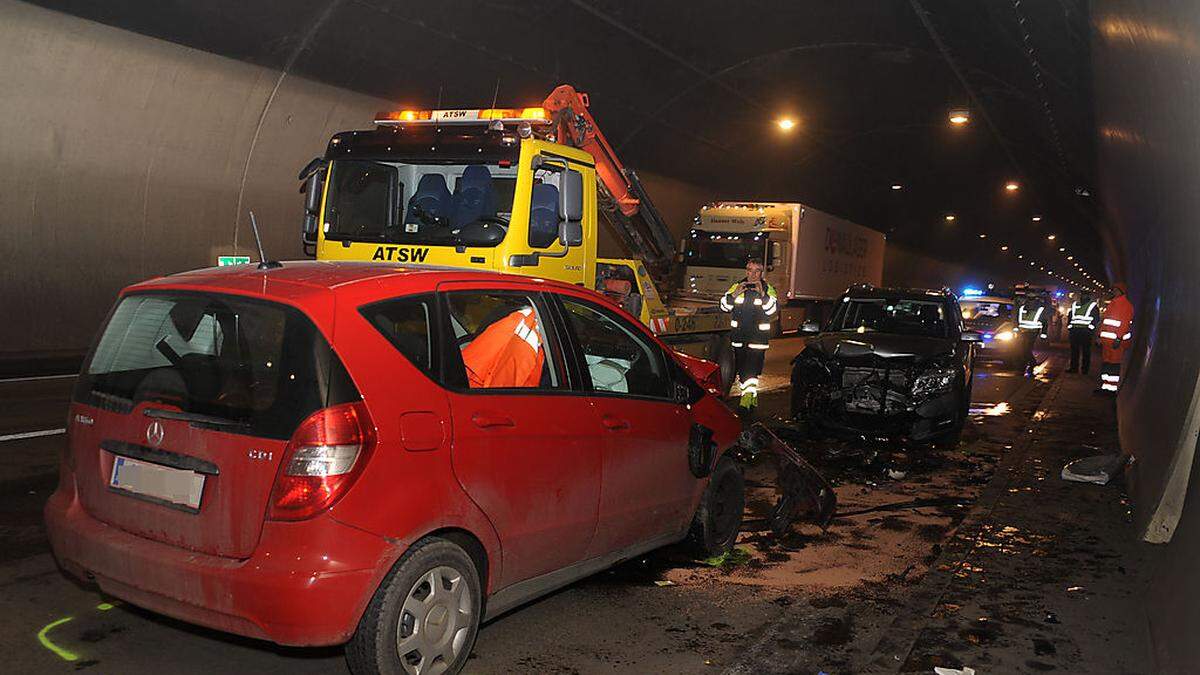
(1030, 325)
(1116, 330)
(1081, 327)
(751, 302)
(508, 353)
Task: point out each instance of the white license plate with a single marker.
(176, 486)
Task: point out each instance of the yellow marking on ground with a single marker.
(62, 653)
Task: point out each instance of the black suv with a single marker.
(892, 363)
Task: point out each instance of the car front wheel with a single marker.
(424, 617)
(718, 519)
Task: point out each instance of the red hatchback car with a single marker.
(325, 453)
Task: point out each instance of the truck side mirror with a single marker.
(313, 176)
(570, 230)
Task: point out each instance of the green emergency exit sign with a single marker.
(223, 260)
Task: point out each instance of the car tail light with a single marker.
(323, 458)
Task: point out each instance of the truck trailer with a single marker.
(810, 256)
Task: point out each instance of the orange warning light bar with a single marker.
(462, 116)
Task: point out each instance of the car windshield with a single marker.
(426, 204)
(258, 366)
(724, 249)
(891, 315)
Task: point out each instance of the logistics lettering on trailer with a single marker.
(401, 254)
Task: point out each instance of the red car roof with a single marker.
(297, 279)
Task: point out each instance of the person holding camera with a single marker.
(751, 302)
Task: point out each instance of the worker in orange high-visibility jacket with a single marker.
(751, 303)
(507, 353)
(1116, 330)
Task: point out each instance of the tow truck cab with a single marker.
(466, 196)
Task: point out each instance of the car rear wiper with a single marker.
(196, 418)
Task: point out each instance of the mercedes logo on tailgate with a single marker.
(155, 433)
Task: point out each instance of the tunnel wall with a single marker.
(123, 158)
(1147, 73)
(126, 157)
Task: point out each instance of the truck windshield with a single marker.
(889, 315)
(724, 249)
(430, 204)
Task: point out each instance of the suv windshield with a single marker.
(425, 204)
(721, 249)
(890, 315)
(246, 365)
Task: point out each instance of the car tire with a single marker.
(718, 519)
(410, 623)
(950, 439)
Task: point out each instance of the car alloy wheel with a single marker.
(435, 622)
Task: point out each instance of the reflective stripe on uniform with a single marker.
(733, 323)
(1108, 387)
(755, 346)
(737, 344)
(1126, 336)
(1112, 322)
(1110, 378)
(1108, 334)
(764, 326)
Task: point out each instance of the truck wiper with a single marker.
(196, 418)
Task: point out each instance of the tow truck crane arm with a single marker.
(574, 126)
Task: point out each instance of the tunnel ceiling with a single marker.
(692, 90)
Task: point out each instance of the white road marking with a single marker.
(32, 434)
(39, 377)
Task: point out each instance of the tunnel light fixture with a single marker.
(1062, 249)
(1012, 186)
(1051, 237)
(1004, 248)
(1036, 219)
(897, 186)
(950, 217)
(982, 235)
(960, 117)
(786, 123)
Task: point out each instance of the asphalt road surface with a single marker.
(661, 613)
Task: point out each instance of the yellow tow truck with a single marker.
(516, 190)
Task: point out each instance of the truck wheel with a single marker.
(718, 519)
(425, 615)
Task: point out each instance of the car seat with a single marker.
(544, 215)
(432, 199)
(473, 198)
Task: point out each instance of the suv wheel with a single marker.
(718, 519)
(425, 615)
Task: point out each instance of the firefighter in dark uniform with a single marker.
(1081, 326)
(752, 302)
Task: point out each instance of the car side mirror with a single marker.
(810, 328)
(971, 336)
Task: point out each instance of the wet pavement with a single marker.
(957, 557)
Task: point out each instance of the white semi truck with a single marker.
(811, 257)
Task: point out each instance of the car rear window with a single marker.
(262, 365)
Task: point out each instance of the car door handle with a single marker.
(486, 421)
(614, 423)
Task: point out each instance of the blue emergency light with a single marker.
(972, 292)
